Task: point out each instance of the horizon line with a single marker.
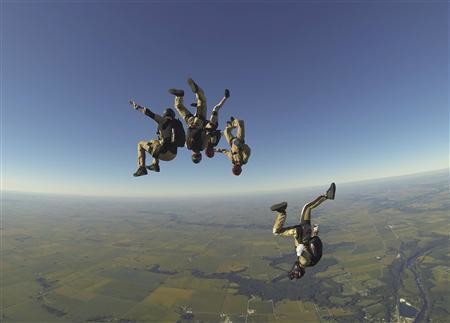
(202, 195)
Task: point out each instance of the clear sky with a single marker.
(337, 91)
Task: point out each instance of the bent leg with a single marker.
(153, 146)
(201, 103)
(306, 211)
(278, 226)
(227, 134)
(142, 147)
(240, 131)
(182, 110)
(214, 119)
(215, 111)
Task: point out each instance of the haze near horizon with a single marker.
(329, 92)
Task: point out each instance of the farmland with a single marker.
(90, 259)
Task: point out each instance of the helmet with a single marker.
(196, 157)
(209, 151)
(237, 170)
(296, 272)
(169, 113)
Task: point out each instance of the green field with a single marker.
(97, 260)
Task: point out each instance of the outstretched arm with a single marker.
(146, 111)
(224, 151)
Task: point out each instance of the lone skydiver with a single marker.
(171, 135)
(306, 239)
(239, 152)
(201, 133)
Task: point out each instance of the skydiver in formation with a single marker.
(200, 130)
(170, 136)
(239, 152)
(212, 132)
(306, 238)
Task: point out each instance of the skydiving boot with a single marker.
(280, 207)
(193, 85)
(176, 92)
(153, 167)
(331, 192)
(140, 171)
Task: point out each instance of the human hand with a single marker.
(133, 104)
(300, 248)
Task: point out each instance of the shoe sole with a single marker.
(331, 192)
(279, 206)
(176, 92)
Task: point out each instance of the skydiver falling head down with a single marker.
(306, 238)
(212, 132)
(239, 152)
(170, 136)
(199, 128)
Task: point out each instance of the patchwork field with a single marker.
(96, 260)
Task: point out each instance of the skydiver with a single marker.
(239, 152)
(200, 129)
(170, 137)
(306, 239)
(212, 132)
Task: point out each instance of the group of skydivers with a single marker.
(203, 135)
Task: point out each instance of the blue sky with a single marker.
(329, 91)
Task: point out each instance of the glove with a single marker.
(315, 230)
(135, 106)
(227, 93)
(300, 248)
